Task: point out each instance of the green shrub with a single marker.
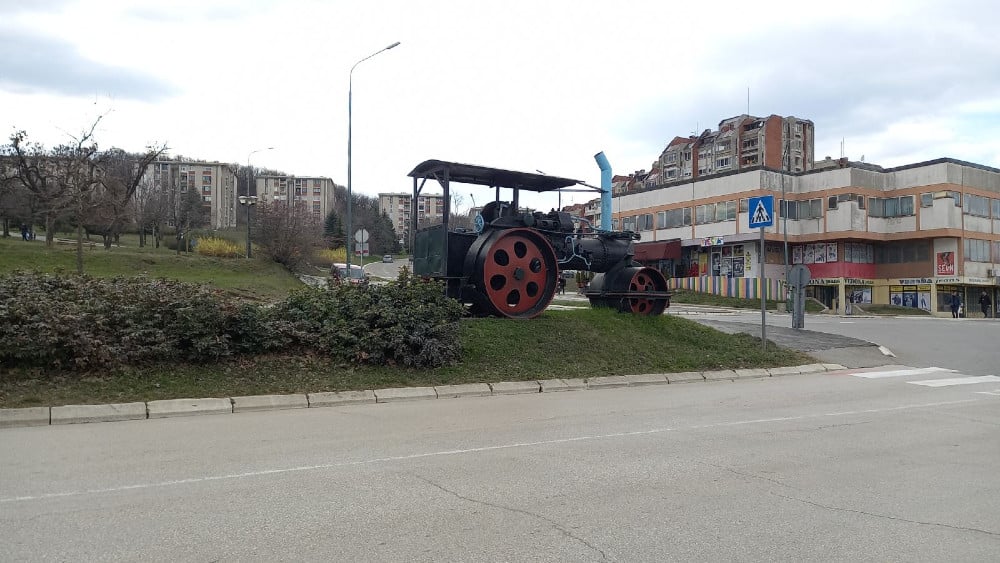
(326, 257)
(82, 323)
(78, 323)
(219, 247)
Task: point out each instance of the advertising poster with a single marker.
(703, 264)
(716, 263)
(831, 252)
(738, 268)
(820, 253)
(946, 263)
(896, 295)
(924, 297)
(860, 295)
(910, 297)
(727, 268)
(797, 254)
(810, 256)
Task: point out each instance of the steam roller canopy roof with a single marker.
(486, 176)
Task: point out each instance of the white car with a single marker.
(339, 271)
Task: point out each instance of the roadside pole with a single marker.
(761, 215)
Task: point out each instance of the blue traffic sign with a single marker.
(761, 210)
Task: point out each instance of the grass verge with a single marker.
(558, 344)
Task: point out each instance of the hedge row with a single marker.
(78, 323)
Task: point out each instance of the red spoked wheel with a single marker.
(646, 279)
(517, 272)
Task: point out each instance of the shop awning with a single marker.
(659, 250)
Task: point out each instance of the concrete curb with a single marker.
(515, 387)
(73, 414)
(328, 399)
(463, 390)
(79, 414)
(252, 403)
(404, 394)
(606, 382)
(31, 416)
(188, 407)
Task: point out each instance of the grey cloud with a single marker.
(34, 63)
(851, 80)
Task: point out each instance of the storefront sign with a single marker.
(712, 241)
(953, 279)
(913, 281)
(824, 281)
(978, 281)
(858, 281)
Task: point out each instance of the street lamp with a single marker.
(350, 88)
(248, 201)
(249, 174)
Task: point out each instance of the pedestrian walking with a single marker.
(956, 305)
(562, 284)
(985, 303)
(24, 231)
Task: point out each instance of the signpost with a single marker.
(798, 279)
(361, 237)
(762, 215)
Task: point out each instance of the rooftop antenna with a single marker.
(748, 100)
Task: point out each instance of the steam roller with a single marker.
(509, 263)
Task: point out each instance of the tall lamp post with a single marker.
(248, 201)
(350, 89)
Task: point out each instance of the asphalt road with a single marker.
(968, 345)
(817, 467)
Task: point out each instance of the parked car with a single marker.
(339, 272)
(387, 259)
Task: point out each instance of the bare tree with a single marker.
(122, 174)
(287, 233)
(35, 170)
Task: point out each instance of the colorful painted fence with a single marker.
(747, 288)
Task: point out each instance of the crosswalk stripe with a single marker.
(957, 381)
(901, 372)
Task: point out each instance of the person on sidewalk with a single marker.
(956, 304)
(985, 303)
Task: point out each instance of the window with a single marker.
(903, 252)
(723, 146)
(731, 210)
(901, 206)
(721, 211)
(744, 205)
(831, 202)
(671, 157)
(722, 163)
(927, 200)
(644, 222)
(809, 209)
(749, 144)
(705, 214)
(674, 218)
(858, 253)
(996, 208)
(977, 250)
(976, 205)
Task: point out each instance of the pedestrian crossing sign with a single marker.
(761, 211)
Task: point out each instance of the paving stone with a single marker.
(78, 414)
(404, 394)
(751, 373)
(269, 402)
(31, 416)
(812, 368)
(787, 370)
(188, 407)
(685, 377)
(646, 379)
(833, 367)
(719, 375)
(515, 387)
(333, 399)
(553, 385)
(463, 390)
(607, 382)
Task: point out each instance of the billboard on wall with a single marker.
(946, 263)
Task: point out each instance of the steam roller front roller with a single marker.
(515, 271)
(633, 289)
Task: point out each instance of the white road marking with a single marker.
(957, 381)
(994, 393)
(886, 352)
(140, 486)
(900, 372)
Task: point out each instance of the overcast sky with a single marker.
(525, 85)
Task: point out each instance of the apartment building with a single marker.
(214, 181)
(911, 235)
(430, 209)
(740, 143)
(316, 193)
